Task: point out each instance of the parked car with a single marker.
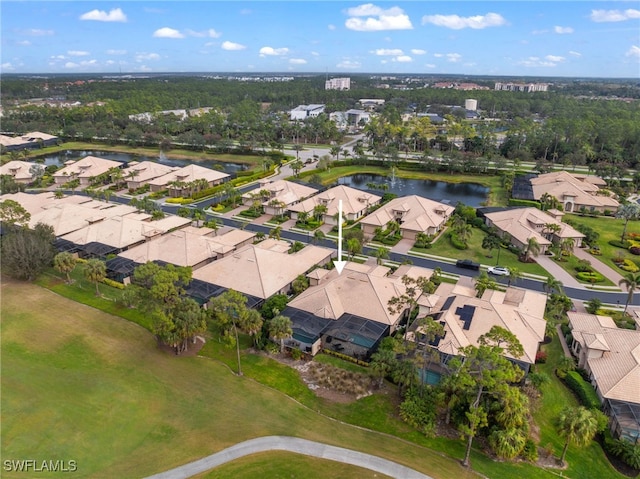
(498, 270)
(467, 264)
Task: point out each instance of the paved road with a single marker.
(292, 444)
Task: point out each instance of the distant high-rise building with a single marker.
(525, 87)
(338, 84)
(471, 104)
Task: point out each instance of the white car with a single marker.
(498, 270)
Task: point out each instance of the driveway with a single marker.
(292, 444)
(602, 268)
(556, 271)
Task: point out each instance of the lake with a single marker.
(471, 194)
(60, 158)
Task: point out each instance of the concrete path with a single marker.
(556, 271)
(291, 444)
(599, 266)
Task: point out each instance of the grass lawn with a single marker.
(570, 267)
(586, 462)
(152, 152)
(280, 464)
(83, 385)
(609, 229)
(443, 247)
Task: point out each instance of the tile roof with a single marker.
(187, 174)
(20, 170)
(562, 183)
(353, 201)
(87, 167)
(288, 192)
(146, 170)
(420, 213)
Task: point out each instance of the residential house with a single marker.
(138, 174)
(355, 204)
(348, 312)
(84, 170)
(465, 318)
(414, 214)
(32, 140)
(277, 196)
(521, 224)
(574, 192)
(611, 358)
(21, 171)
(186, 180)
(263, 269)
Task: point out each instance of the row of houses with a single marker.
(28, 141)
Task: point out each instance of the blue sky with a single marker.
(540, 38)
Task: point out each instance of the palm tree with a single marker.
(567, 245)
(353, 247)
(280, 329)
(631, 281)
(65, 263)
(319, 211)
(381, 254)
(514, 275)
(251, 323)
(95, 271)
(532, 249)
(483, 282)
(383, 363)
(578, 426)
(464, 232)
(552, 285)
(318, 235)
(275, 232)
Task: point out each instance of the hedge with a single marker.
(346, 357)
(112, 283)
(620, 244)
(456, 242)
(590, 277)
(628, 265)
(582, 389)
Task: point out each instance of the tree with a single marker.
(251, 323)
(300, 284)
(13, 213)
(228, 310)
(383, 362)
(491, 242)
(485, 371)
(65, 263)
(552, 285)
(483, 282)
(26, 252)
(354, 247)
(280, 328)
(578, 426)
(187, 320)
(630, 281)
(296, 166)
(381, 254)
(318, 235)
(627, 212)
(408, 301)
(532, 249)
(95, 271)
(514, 275)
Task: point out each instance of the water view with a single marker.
(60, 158)
(470, 194)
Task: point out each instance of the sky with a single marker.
(511, 38)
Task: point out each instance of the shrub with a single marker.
(582, 389)
(178, 201)
(541, 357)
(628, 452)
(634, 250)
(530, 451)
(590, 277)
(629, 265)
(514, 202)
(620, 244)
(346, 357)
(456, 242)
(583, 266)
(112, 283)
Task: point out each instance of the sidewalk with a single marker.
(599, 266)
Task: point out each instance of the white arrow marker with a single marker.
(339, 264)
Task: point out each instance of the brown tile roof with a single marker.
(353, 201)
(421, 213)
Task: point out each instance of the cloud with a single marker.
(575, 54)
(456, 22)
(555, 58)
(166, 32)
(539, 32)
(115, 15)
(71, 65)
(633, 52)
(276, 52)
(331, 27)
(37, 32)
(298, 61)
(402, 59)
(116, 52)
(315, 54)
(140, 57)
(211, 33)
(562, 30)
(378, 19)
(24, 43)
(230, 46)
(388, 51)
(549, 61)
(454, 57)
(7, 66)
(77, 53)
(429, 65)
(438, 55)
(418, 51)
(601, 16)
(349, 64)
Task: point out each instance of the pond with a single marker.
(60, 158)
(471, 194)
